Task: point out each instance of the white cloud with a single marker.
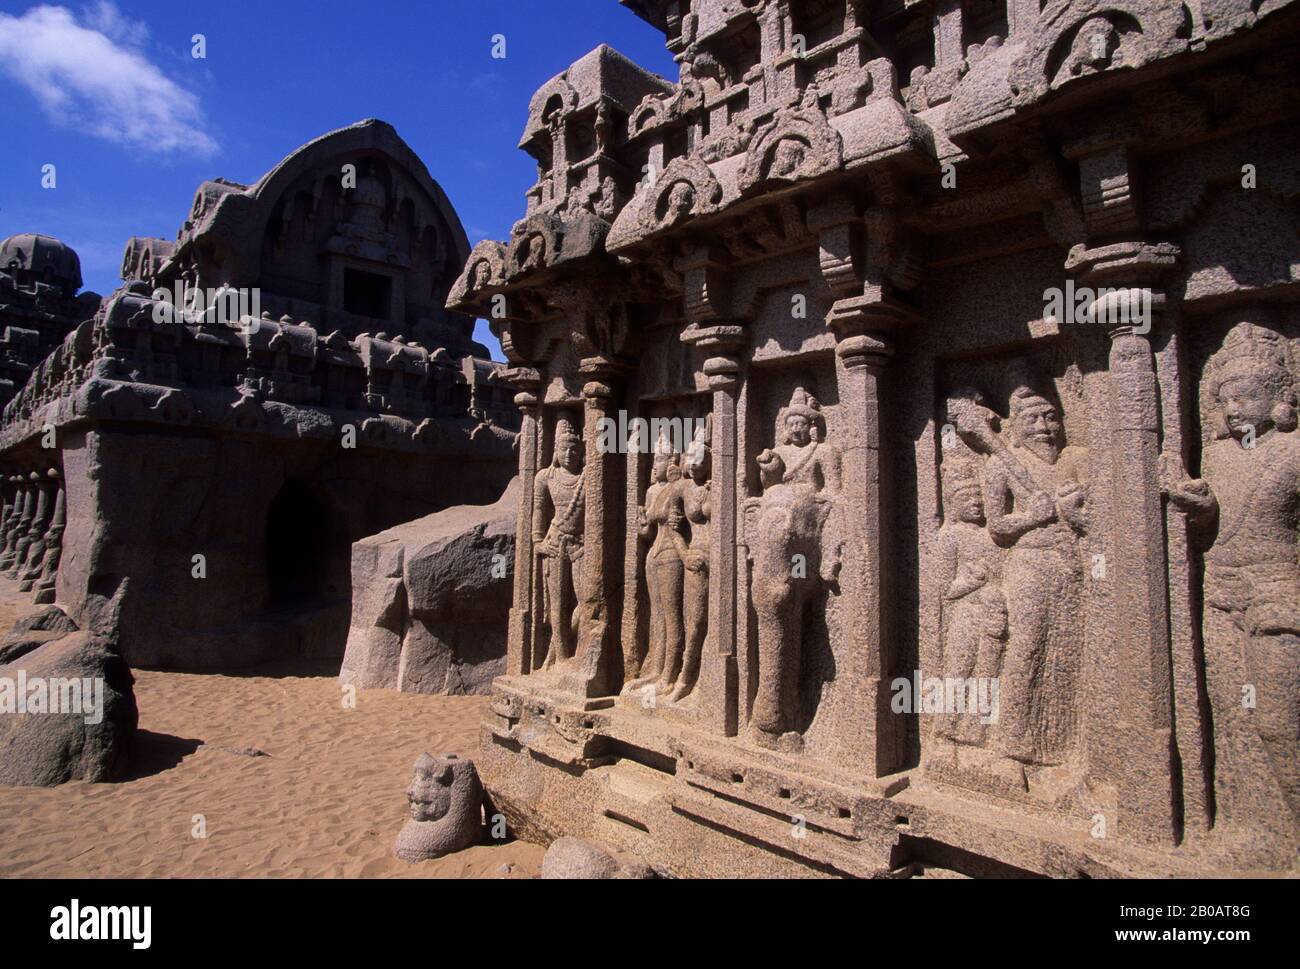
(93, 74)
(108, 20)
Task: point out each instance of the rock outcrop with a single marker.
(33, 631)
(430, 601)
(67, 712)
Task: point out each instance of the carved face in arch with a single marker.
(430, 789)
(1247, 406)
(679, 202)
(1036, 426)
(532, 251)
(788, 157)
(482, 273)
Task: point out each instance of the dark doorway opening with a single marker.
(367, 294)
(297, 546)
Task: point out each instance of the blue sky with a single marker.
(111, 95)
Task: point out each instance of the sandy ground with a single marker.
(328, 801)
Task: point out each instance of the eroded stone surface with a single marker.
(446, 809)
(43, 744)
(430, 600)
(582, 859)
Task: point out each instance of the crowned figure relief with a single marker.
(559, 506)
(794, 554)
(1246, 510)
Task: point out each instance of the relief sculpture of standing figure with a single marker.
(1251, 492)
(660, 521)
(801, 477)
(559, 510)
(1036, 501)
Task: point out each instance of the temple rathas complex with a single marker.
(187, 469)
(957, 343)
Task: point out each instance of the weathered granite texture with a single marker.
(446, 809)
(186, 476)
(576, 858)
(53, 743)
(430, 600)
(988, 548)
(34, 630)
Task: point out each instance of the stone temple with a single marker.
(909, 455)
(188, 467)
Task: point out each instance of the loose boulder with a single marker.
(579, 858)
(431, 601)
(67, 712)
(33, 631)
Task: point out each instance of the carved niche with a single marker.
(685, 189)
(1009, 591)
(795, 555)
(797, 144)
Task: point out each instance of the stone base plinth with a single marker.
(692, 805)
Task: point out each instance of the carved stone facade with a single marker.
(989, 313)
(39, 304)
(186, 472)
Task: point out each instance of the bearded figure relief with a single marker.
(559, 511)
(1246, 511)
(1036, 503)
(791, 562)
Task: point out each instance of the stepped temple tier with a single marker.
(982, 550)
(39, 304)
(186, 470)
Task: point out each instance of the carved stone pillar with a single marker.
(873, 739)
(19, 518)
(1137, 565)
(856, 255)
(13, 506)
(520, 635)
(594, 672)
(718, 684)
(45, 582)
(27, 533)
(1022, 16)
(30, 570)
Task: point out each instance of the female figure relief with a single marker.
(660, 520)
(697, 504)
